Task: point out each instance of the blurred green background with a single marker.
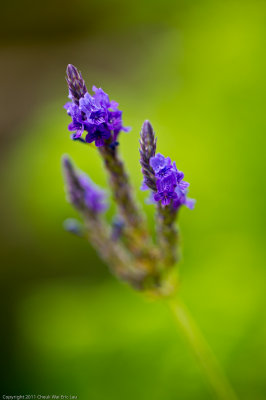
(196, 70)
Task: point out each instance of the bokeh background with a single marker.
(196, 69)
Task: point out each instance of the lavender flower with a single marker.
(82, 192)
(171, 188)
(94, 197)
(168, 190)
(94, 114)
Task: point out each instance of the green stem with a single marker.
(210, 366)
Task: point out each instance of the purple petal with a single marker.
(126, 128)
(87, 105)
(100, 97)
(105, 134)
(157, 162)
(165, 201)
(190, 203)
(183, 185)
(90, 137)
(173, 195)
(113, 104)
(166, 184)
(157, 196)
(144, 186)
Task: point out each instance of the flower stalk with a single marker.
(211, 369)
(167, 235)
(122, 192)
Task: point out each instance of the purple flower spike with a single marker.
(95, 198)
(95, 114)
(82, 192)
(169, 183)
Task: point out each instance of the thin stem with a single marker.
(135, 234)
(167, 234)
(210, 366)
(121, 188)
